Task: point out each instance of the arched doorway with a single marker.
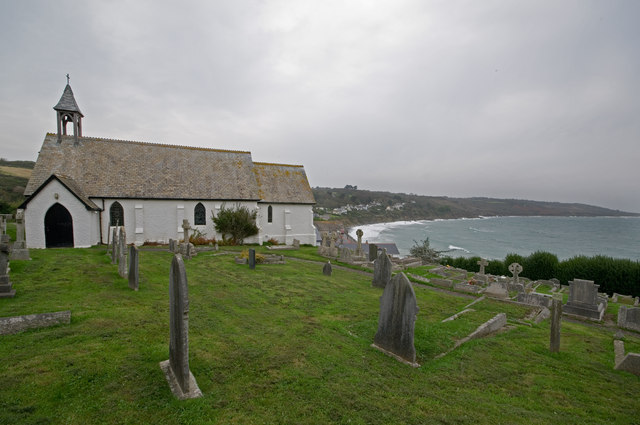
(58, 227)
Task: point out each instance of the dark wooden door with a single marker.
(58, 227)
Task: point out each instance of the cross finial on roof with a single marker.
(67, 78)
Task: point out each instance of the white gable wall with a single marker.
(85, 222)
(290, 221)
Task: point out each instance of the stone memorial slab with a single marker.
(133, 268)
(533, 298)
(176, 369)
(327, 269)
(629, 362)
(345, 255)
(382, 270)
(172, 245)
(629, 318)
(446, 283)
(583, 300)
(16, 324)
(114, 245)
(497, 290)
(296, 244)
(396, 321)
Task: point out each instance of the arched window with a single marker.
(116, 215)
(270, 214)
(199, 214)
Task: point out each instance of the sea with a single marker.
(495, 237)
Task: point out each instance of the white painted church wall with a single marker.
(289, 222)
(85, 222)
(161, 220)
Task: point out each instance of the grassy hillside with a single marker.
(372, 206)
(14, 176)
(285, 344)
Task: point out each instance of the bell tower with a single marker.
(67, 111)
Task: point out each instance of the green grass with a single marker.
(285, 344)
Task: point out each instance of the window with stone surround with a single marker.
(116, 214)
(270, 214)
(199, 215)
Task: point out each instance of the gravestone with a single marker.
(133, 267)
(583, 300)
(327, 269)
(114, 247)
(181, 381)
(3, 222)
(532, 298)
(482, 263)
(397, 318)
(359, 252)
(296, 244)
(172, 245)
(122, 256)
(556, 320)
(629, 318)
(345, 255)
(515, 269)
(6, 290)
(333, 249)
(19, 250)
(252, 259)
(322, 249)
(497, 290)
(381, 270)
(373, 252)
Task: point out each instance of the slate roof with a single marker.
(67, 101)
(281, 183)
(107, 168)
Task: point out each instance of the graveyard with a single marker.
(289, 343)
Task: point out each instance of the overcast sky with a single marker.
(513, 99)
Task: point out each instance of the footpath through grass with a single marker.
(285, 344)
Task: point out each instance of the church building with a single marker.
(81, 186)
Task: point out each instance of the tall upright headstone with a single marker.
(114, 248)
(176, 369)
(252, 258)
(396, 322)
(6, 290)
(583, 300)
(122, 253)
(556, 320)
(333, 249)
(382, 270)
(373, 252)
(19, 250)
(134, 276)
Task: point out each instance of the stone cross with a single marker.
(359, 234)
(186, 227)
(515, 270)
(396, 321)
(381, 270)
(482, 263)
(332, 240)
(133, 267)
(176, 369)
(556, 320)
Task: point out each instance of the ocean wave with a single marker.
(458, 248)
(480, 230)
(371, 232)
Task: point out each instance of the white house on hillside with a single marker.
(82, 185)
